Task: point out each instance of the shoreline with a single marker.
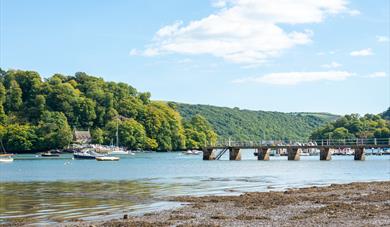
(352, 204)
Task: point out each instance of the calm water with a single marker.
(54, 190)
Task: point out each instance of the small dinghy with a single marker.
(54, 153)
(107, 158)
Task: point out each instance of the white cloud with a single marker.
(333, 64)
(293, 78)
(361, 53)
(219, 3)
(354, 12)
(382, 39)
(377, 74)
(134, 52)
(245, 31)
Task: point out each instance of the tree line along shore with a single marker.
(37, 114)
(41, 113)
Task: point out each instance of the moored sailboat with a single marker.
(116, 150)
(4, 157)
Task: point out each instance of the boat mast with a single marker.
(2, 147)
(117, 136)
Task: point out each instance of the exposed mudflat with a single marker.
(355, 204)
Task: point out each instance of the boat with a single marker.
(116, 150)
(5, 158)
(119, 151)
(192, 152)
(107, 158)
(86, 154)
(55, 153)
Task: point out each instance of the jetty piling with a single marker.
(263, 153)
(295, 148)
(325, 154)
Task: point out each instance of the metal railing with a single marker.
(308, 143)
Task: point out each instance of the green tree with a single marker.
(97, 135)
(87, 113)
(37, 109)
(19, 137)
(53, 131)
(3, 117)
(199, 133)
(130, 132)
(14, 97)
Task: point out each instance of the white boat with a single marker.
(192, 152)
(5, 157)
(118, 150)
(107, 158)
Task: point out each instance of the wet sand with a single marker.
(355, 204)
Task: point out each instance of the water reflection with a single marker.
(46, 202)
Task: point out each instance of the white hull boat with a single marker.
(107, 158)
(119, 152)
(193, 152)
(6, 158)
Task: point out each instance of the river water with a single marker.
(47, 191)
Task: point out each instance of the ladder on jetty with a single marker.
(223, 151)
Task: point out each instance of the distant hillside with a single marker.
(325, 116)
(255, 125)
(386, 114)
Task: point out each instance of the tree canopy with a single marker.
(37, 114)
(354, 126)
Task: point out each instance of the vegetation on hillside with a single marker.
(256, 125)
(386, 114)
(38, 114)
(354, 126)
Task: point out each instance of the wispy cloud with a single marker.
(377, 74)
(294, 78)
(354, 12)
(333, 64)
(245, 31)
(361, 53)
(382, 39)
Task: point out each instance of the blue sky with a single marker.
(291, 56)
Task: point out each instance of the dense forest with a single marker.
(355, 126)
(37, 114)
(251, 125)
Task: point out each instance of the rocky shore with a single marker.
(355, 204)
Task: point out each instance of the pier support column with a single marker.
(294, 154)
(325, 154)
(263, 153)
(208, 154)
(234, 153)
(359, 154)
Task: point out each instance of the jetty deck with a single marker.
(294, 148)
